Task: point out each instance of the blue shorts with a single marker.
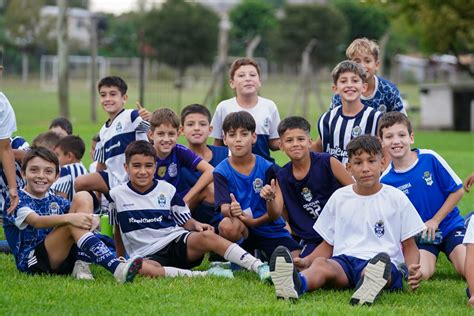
(447, 245)
(206, 213)
(105, 176)
(308, 247)
(353, 268)
(268, 245)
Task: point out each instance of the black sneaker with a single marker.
(284, 275)
(374, 280)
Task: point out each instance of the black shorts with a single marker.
(175, 254)
(268, 245)
(38, 261)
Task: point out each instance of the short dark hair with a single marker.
(240, 119)
(164, 116)
(195, 108)
(243, 61)
(62, 122)
(72, 144)
(293, 122)
(113, 81)
(43, 153)
(96, 138)
(348, 66)
(139, 147)
(47, 139)
(365, 143)
(392, 118)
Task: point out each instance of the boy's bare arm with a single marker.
(322, 250)
(469, 271)
(218, 142)
(80, 220)
(412, 261)
(340, 172)
(7, 159)
(274, 144)
(446, 208)
(119, 247)
(317, 145)
(206, 169)
(19, 154)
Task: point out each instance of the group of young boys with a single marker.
(358, 208)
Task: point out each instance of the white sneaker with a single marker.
(126, 271)
(82, 271)
(285, 278)
(263, 272)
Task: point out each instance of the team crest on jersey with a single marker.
(356, 131)
(257, 185)
(382, 108)
(118, 128)
(172, 170)
(161, 171)
(162, 200)
(54, 208)
(428, 178)
(307, 195)
(379, 228)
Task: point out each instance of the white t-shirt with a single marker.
(7, 118)
(362, 226)
(469, 235)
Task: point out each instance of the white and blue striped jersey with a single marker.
(149, 221)
(386, 97)
(336, 129)
(7, 118)
(266, 116)
(67, 177)
(428, 183)
(126, 127)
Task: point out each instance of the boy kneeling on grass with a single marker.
(370, 228)
(48, 234)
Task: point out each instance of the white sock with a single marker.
(237, 255)
(172, 272)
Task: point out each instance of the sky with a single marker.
(117, 6)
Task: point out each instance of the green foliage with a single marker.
(182, 33)
(302, 23)
(121, 36)
(249, 19)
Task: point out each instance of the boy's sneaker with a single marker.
(126, 271)
(82, 271)
(220, 272)
(285, 278)
(374, 280)
(263, 272)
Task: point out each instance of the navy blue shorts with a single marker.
(353, 268)
(308, 247)
(268, 245)
(105, 176)
(447, 245)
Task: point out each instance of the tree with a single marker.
(120, 35)
(249, 19)
(182, 33)
(301, 24)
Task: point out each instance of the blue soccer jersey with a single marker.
(246, 189)
(169, 169)
(386, 97)
(427, 184)
(305, 199)
(23, 238)
(67, 177)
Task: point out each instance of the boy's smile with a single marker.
(368, 61)
(295, 143)
(239, 141)
(397, 140)
(349, 86)
(366, 169)
(164, 139)
(40, 175)
(112, 100)
(141, 171)
(196, 128)
(246, 80)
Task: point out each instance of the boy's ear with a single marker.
(125, 98)
(210, 128)
(412, 139)
(180, 129)
(70, 156)
(254, 138)
(150, 134)
(224, 139)
(334, 88)
(231, 84)
(365, 85)
(125, 165)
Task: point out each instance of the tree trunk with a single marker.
(63, 76)
(24, 66)
(93, 32)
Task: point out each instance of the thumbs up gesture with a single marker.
(268, 192)
(235, 209)
(144, 113)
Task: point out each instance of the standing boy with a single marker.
(370, 228)
(306, 183)
(245, 80)
(433, 188)
(245, 191)
(380, 94)
(350, 119)
(154, 222)
(46, 232)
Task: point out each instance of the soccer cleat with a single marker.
(82, 271)
(263, 272)
(374, 280)
(284, 276)
(126, 271)
(220, 272)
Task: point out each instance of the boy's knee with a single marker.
(228, 230)
(83, 200)
(80, 183)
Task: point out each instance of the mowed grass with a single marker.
(22, 294)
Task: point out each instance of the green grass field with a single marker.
(22, 294)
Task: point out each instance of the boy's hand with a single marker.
(235, 209)
(268, 191)
(430, 232)
(80, 220)
(469, 182)
(200, 227)
(301, 263)
(14, 199)
(248, 220)
(471, 302)
(414, 276)
(144, 113)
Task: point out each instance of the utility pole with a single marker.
(63, 56)
(93, 37)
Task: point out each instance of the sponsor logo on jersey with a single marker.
(173, 170)
(266, 123)
(54, 208)
(161, 171)
(112, 147)
(405, 188)
(119, 127)
(356, 131)
(257, 185)
(306, 193)
(428, 178)
(336, 151)
(162, 200)
(379, 229)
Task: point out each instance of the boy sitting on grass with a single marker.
(46, 232)
(433, 188)
(370, 228)
(155, 223)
